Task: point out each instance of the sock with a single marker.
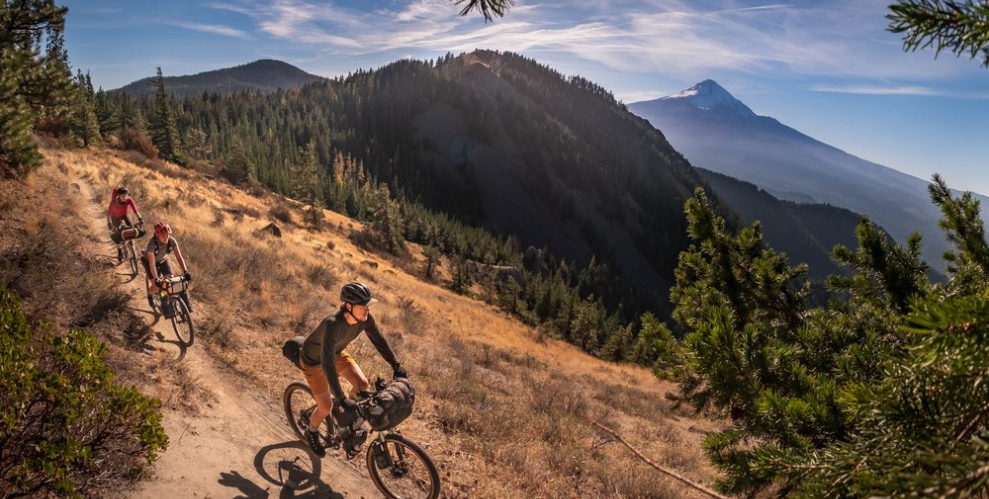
(314, 430)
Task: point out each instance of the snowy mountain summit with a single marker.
(709, 96)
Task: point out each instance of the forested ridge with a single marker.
(356, 145)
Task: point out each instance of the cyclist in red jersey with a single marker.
(117, 214)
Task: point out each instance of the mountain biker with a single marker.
(323, 358)
(159, 248)
(116, 214)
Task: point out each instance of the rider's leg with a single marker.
(348, 369)
(321, 391)
(149, 282)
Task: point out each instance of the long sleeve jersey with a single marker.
(333, 335)
(119, 210)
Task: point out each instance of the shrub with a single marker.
(281, 213)
(66, 427)
(133, 140)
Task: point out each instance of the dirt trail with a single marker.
(240, 445)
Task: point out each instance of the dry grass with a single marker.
(504, 410)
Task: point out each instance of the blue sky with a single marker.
(828, 68)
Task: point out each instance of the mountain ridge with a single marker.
(263, 75)
(793, 166)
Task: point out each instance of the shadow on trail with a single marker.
(289, 466)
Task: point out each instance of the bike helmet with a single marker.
(356, 293)
(162, 228)
(122, 191)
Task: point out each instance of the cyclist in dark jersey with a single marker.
(116, 214)
(323, 359)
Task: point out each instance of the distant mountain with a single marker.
(263, 76)
(714, 130)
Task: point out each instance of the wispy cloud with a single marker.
(836, 39)
(217, 29)
(874, 90)
(899, 90)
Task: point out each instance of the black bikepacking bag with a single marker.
(292, 349)
(389, 407)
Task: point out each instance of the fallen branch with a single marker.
(665, 471)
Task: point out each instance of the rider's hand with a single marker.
(345, 411)
(400, 372)
(188, 276)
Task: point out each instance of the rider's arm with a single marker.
(133, 206)
(328, 357)
(178, 254)
(152, 265)
(378, 340)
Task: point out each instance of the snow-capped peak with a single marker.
(709, 96)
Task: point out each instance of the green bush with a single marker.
(66, 428)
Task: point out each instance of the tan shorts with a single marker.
(316, 378)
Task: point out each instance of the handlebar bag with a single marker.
(389, 407)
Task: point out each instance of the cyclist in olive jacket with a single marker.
(323, 358)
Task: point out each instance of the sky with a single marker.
(828, 68)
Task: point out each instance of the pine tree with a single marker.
(432, 259)
(385, 220)
(163, 129)
(35, 79)
(306, 185)
(961, 27)
(108, 119)
(84, 123)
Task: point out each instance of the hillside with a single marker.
(492, 139)
(262, 76)
(806, 232)
(503, 410)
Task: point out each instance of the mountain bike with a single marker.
(170, 305)
(126, 234)
(398, 466)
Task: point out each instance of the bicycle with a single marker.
(170, 305)
(126, 234)
(398, 466)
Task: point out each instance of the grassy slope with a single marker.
(504, 411)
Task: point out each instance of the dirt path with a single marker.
(240, 445)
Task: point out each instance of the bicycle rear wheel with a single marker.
(182, 322)
(402, 470)
(299, 404)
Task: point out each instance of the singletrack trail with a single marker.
(238, 444)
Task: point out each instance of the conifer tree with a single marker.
(385, 220)
(305, 183)
(108, 119)
(432, 259)
(961, 27)
(163, 129)
(35, 78)
(84, 122)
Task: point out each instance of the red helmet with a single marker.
(162, 228)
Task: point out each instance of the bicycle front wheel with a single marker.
(402, 470)
(182, 322)
(133, 257)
